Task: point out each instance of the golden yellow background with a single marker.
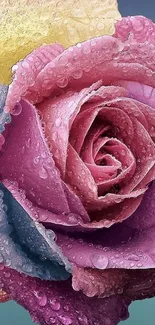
(27, 24)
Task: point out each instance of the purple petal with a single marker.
(29, 162)
(57, 303)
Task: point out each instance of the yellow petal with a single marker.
(26, 24)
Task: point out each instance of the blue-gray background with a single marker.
(141, 312)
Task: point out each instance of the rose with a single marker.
(79, 155)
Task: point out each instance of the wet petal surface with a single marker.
(25, 245)
(57, 303)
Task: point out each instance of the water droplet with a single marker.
(86, 49)
(42, 299)
(27, 143)
(52, 320)
(17, 109)
(65, 320)
(83, 320)
(5, 208)
(107, 321)
(14, 68)
(58, 121)
(66, 308)
(43, 173)
(27, 268)
(8, 261)
(72, 218)
(62, 82)
(139, 265)
(121, 46)
(123, 152)
(7, 274)
(43, 155)
(69, 246)
(133, 257)
(99, 261)
(55, 305)
(77, 74)
(132, 264)
(36, 160)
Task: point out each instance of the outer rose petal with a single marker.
(143, 218)
(75, 69)
(57, 303)
(25, 245)
(134, 284)
(120, 246)
(27, 70)
(29, 159)
(138, 28)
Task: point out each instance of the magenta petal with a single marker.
(143, 218)
(57, 303)
(58, 115)
(27, 70)
(29, 162)
(121, 247)
(138, 28)
(109, 60)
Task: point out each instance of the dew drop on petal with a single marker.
(83, 320)
(99, 261)
(41, 297)
(43, 173)
(66, 308)
(65, 320)
(52, 320)
(58, 121)
(55, 305)
(17, 109)
(106, 321)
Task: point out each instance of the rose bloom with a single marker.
(77, 170)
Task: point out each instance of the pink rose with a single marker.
(78, 158)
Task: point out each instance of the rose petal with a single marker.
(101, 283)
(137, 28)
(29, 159)
(143, 218)
(120, 61)
(134, 284)
(138, 91)
(109, 211)
(144, 162)
(58, 115)
(120, 246)
(24, 244)
(26, 70)
(57, 303)
(4, 117)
